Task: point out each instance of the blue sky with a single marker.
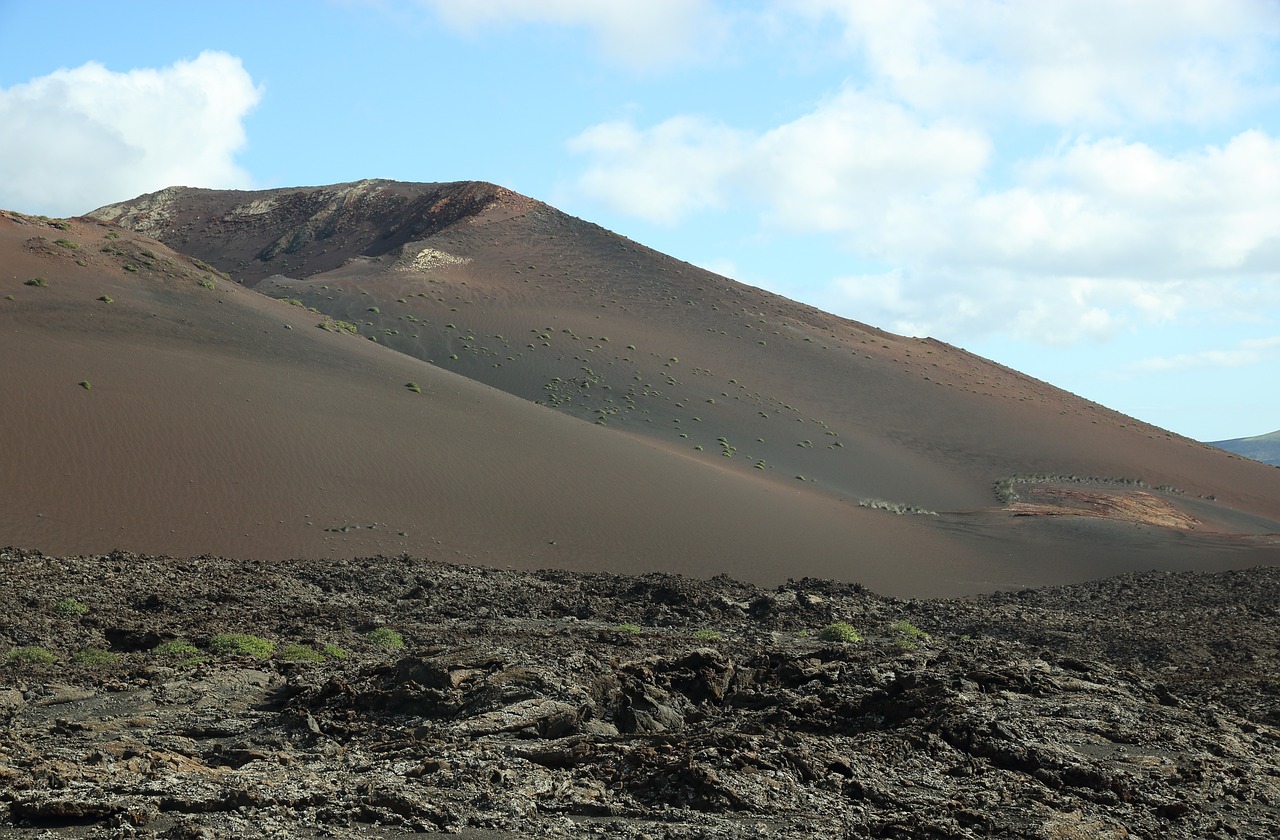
(1086, 191)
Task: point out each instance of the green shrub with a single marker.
(906, 628)
(333, 652)
(95, 656)
(85, 384)
(839, 632)
(36, 281)
(176, 648)
(908, 636)
(66, 243)
(30, 656)
(386, 637)
(629, 629)
(70, 607)
(413, 386)
(299, 653)
(707, 636)
(186, 654)
(241, 644)
(106, 299)
(206, 282)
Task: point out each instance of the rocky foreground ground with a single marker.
(204, 697)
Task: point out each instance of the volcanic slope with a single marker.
(1031, 484)
(151, 403)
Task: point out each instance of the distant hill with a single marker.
(1264, 448)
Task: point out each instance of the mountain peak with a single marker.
(307, 229)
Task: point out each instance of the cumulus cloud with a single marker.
(855, 161)
(641, 34)
(1101, 236)
(922, 163)
(79, 138)
(832, 169)
(1094, 236)
(663, 173)
(1065, 62)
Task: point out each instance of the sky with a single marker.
(1085, 190)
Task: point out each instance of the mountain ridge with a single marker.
(1264, 448)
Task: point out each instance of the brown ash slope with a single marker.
(510, 292)
(219, 420)
(564, 704)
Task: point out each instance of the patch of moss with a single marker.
(175, 648)
(70, 607)
(840, 631)
(241, 644)
(386, 637)
(30, 656)
(95, 656)
(299, 653)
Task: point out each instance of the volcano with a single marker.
(461, 372)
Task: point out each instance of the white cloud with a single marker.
(1064, 62)
(833, 169)
(1092, 238)
(855, 160)
(1110, 208)
(76, 139)
(662, 174)
(1246, 352)
(641, 34)
(1095, 236)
